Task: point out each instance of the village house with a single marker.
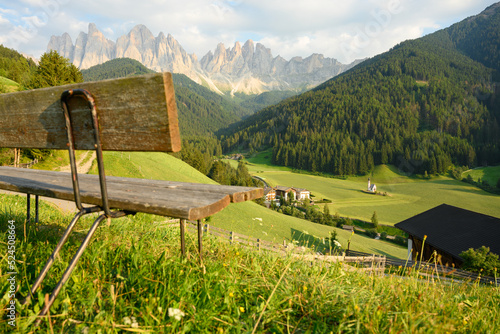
(270, 193)
(283, 191)
(449, 231)
(302, 194)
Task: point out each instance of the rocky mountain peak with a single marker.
(250, 68)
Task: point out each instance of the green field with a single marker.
(239, 217)
(8, 85)
(489, 174)
(408, 196)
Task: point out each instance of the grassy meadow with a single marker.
(490, 174)
(240, 217)
(132, 279)
(7, 85)
(408, 196)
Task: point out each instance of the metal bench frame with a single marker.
(66, 95)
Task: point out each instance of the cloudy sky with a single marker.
(341, 29)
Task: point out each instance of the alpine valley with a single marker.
(424, 106)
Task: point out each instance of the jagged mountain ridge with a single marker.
(250, 68)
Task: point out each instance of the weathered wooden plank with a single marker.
(173, 202)
(236, 194)
(135, 114)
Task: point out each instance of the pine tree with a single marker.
(326, 210)
(375, 219)
(54, 70)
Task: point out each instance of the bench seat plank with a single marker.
(190, 201)
(135, 114)
(236, 194)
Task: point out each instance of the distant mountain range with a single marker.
(250, 68)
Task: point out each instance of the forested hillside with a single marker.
(201, 111)
(116, 68)
(423, 106)
(15, 66)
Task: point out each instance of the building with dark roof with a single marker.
(450, 231)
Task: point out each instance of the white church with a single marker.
(371, 187)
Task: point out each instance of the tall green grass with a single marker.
(132, 274)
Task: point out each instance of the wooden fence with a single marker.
(26, 165)
(368, 263)
(435, 270)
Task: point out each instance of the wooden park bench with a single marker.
(128, 114)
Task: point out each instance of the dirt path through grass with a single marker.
(84, 163)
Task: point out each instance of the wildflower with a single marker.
(242, 309)
(356, 307)
(237, 253)
(130, 321)
(231, 294)
(175, 313)
(304, 288)
(244, 290)
(225, 265)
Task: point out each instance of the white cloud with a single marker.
(335, 28)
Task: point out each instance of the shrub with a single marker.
(400, 240)
(375, 219)
(480, 260)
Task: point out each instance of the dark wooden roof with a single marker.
(454, 230)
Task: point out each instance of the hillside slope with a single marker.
(421, 106)
(241, 217)
(131, 279)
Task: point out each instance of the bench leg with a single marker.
(70, 268)
(36, 209)
(28, 208)
(200, 235)
(52, 257)
(183, 239)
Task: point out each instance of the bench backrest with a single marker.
(135, 114)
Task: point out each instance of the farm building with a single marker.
(270, 193)
(282, 192)
(301, 194)
(450, 231)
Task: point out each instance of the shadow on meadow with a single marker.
(303, 238)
